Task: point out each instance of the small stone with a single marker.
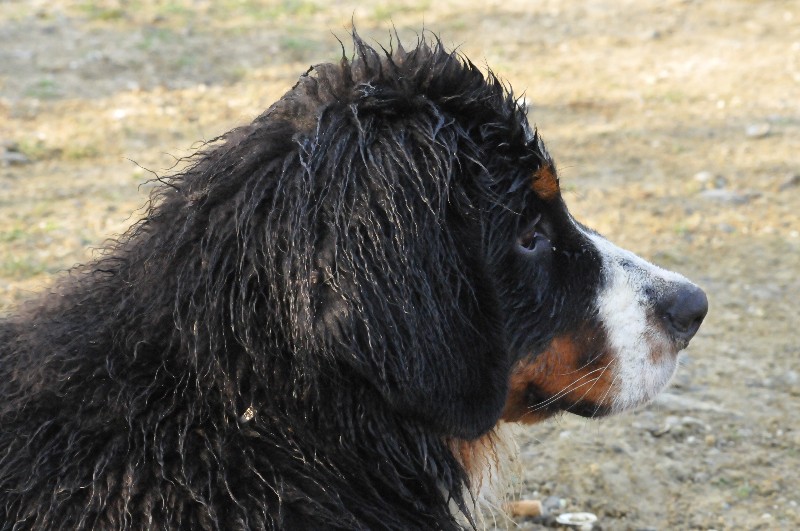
(726, 228)
(13, 158)
(791, 182)
(703, 176)
(789, 378)
(726, 196)
(652, 35)
(759, 130)
(553, 504)
(720, 181)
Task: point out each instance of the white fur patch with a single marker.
(645, 358)
(494, 471)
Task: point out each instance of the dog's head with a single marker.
(416, 239)
(624, 349)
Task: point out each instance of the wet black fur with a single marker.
(345, 266)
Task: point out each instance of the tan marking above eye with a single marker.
(545, 182)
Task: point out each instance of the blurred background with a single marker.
(676, 128)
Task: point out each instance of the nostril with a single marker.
(684, 310)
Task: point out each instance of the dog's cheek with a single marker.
(574, 373)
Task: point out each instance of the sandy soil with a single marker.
(676, 125)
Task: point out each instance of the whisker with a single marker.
(576, 384)
(605, 395)
(589, 362)
(597, 406)
(561, 394)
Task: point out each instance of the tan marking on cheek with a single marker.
(545, 182)
(560, 371)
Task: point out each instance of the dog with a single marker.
(320, 323)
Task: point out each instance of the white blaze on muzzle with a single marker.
(649, 314)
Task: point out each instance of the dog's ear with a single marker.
(401, 290)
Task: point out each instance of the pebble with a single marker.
(652, 35)
(759, 130)
(703, 176)
(726, 228)
(726, 196)
(13, 158)
(553, 504)
(789, 378)
(791, 182)
(700, 477)
(711, 180)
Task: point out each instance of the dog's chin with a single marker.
(651, 378)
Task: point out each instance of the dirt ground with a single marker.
(676, 126)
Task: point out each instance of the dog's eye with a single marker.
(530, 240)
(532, 237)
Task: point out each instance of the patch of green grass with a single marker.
(186, 60)
(20, 267)
(155, 37)
(681, 229)
(38, 150)
(387, 10)
(297, 46)
(49, 226)
(35, 149)
(257, 10)
(298, 7)
(675, 96)
(44, 89)
(171, 9)
(12, 235)
(104, 13)
(236, 73)
(80, 152)
(721, 482)
(744, 491)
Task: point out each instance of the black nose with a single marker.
(683, 310)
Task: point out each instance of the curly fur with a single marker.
(301, 325)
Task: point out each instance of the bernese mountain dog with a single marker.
(322, 320)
